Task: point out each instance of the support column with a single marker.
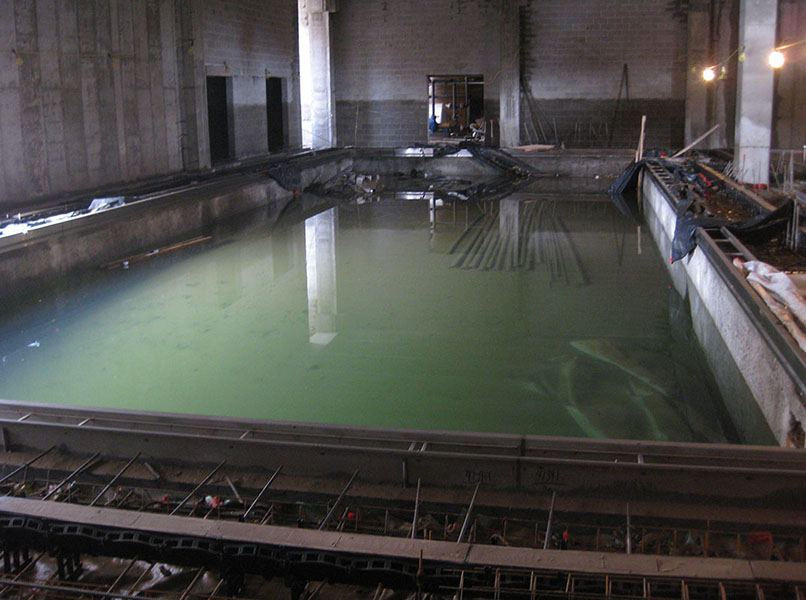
(699, 56)
(509, 91)
(751, 160)
(316, 74)
(320, 268)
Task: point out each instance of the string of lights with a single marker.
(776, 60)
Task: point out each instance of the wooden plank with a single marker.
(125, 262)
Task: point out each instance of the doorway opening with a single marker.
(218, 95)
(274, 113)
(455, 106)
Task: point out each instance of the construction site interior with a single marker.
(333, 299)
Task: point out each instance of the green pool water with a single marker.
(360, 315)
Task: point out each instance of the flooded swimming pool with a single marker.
(536, 315)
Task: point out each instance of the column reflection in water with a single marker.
(320, 258)
(509, 221)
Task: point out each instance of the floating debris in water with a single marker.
(34, 344)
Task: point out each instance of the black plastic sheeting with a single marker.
(514, 174)
(492, 156)
(689, 183)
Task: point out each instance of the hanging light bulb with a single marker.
(776, 59)
(709, 74)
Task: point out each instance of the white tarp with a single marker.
(780, 294)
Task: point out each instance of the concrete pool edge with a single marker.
(83, 242)
(87, 241)
(771, 476)
(771, 368)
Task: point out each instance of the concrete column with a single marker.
(318, 106)
(510, 97)
(320, 269)
(755, 91)
(698, 57)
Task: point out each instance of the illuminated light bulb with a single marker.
(776, 59)
(709, 74)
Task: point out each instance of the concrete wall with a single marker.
(96, 92)
(45, 256)
(249, 40)
(88, 95)
(384, 51)
(789, 128)
(750, 373)
(573, 60)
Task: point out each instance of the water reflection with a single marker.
(243, 328)
(320, 264)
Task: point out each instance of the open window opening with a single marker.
(455, 107)
(274, 113)
(219, 94)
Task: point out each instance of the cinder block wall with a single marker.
(573, 60)
(383, 52)
(248, 40)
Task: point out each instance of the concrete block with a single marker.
(92, 126)
(86, 27)
(12, 157)
(25, 25)
(9, 76)
(48, 42)
(74, 136)
(68, 27)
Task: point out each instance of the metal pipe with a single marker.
(332, 511)
(26, 465)
(122, 575)
(548, 524)
(196, 489)
(67, 589)
(192, 584)
(416, 510)
(260, 495)
(467, 516)
(115, 478)
(629, 533)
(19, 574)
(234, 489)
(75, 473)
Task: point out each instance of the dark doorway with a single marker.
(217, 118)
(274, 113)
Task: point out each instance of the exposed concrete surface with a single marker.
(382, 82)
(88, 96)
(248, 41)
(320, 106)
(42, 255)
(510, 86)
(723, 325)
(754, 103)
(94, 93)
(576, 163)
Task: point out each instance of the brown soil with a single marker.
(779, 256)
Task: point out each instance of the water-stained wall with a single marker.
(590, 73)
(95, 92)
(384, 51)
